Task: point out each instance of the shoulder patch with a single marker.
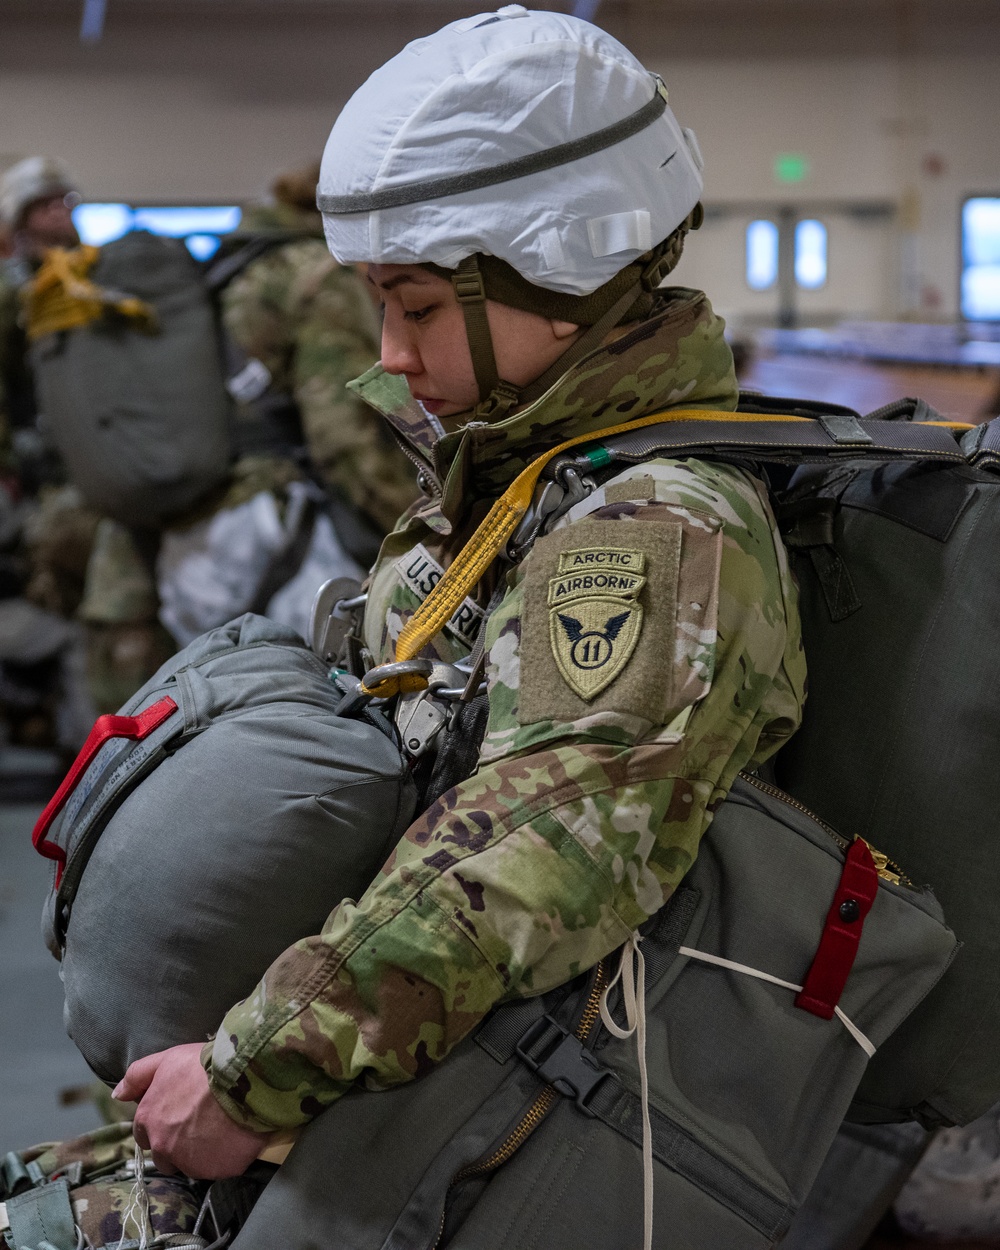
(591, 647)
(599, 621)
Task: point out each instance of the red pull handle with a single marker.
(105, 728)
(838, 947)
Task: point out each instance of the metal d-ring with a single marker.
(398, 668)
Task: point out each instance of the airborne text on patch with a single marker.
(593, 643)
(421, 572)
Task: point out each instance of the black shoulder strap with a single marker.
(904, 431)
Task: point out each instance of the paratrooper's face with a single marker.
(49, 223)
(424, 339)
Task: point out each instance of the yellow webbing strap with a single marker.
(62, 297)
(468, 567)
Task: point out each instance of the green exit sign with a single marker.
(790, 167)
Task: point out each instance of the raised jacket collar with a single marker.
(677, 356)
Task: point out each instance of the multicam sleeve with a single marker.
(336, 340)
(311, 322)
(574, 829)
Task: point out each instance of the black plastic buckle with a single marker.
(562, 1061)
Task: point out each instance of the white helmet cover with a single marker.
(484, 92)
(34, 178)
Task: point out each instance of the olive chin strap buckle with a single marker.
(469, 287)
(500, 401)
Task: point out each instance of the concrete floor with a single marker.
(37, 1059)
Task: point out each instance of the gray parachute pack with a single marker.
(140, 417)
(216, 820)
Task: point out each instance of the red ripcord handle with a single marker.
(105, 728)
(838, 947)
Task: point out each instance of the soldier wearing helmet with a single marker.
(36, 201)
(519, 188)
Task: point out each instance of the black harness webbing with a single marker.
(824, 438)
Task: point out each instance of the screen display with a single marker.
(200, 226)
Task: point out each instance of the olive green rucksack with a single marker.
(530, 1132)
(899, 570)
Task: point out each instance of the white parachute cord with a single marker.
(865, 1043)
(632, 974)
(137, 1211)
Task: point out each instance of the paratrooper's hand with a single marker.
(181, 1122)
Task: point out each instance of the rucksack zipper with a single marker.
(538, 1110)
(886, 868)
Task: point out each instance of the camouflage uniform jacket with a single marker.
(17, 401)
(313, 325)
(644, 651)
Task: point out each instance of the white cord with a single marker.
(867, 1046)
(137, 1211)
(633, 981)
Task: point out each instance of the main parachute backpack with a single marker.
(899, 570)
(129, 376)
(893, 523)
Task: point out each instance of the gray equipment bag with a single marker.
(530, 1133)
(141, 419)
(227, 784)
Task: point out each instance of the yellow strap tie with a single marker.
(62, 297)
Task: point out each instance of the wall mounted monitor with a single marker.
(201, 226)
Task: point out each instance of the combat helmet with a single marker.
(530, 158)
(32, 179)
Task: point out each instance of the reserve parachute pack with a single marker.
(226, 783)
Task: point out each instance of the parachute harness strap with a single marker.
(62, 297)
(490, 539)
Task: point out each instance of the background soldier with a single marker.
(299, 326)
(48, 531)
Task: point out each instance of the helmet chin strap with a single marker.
(498, 397)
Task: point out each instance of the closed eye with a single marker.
(669, 159)
(418, 314)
